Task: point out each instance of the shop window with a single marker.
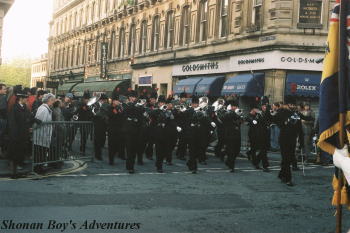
(169, 28)
(163, 89)
(143, 37)
(155, 33)
(223, 27)
(185, 30)
(203, 19)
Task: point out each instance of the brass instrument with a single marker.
(141, 102)
(218, 104)
(203, 102)
(181, 107)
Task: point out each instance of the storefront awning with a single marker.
(303, 84)
(65, 88)
(210, 86)
(245, 85)
(106, 87)
(186, 85)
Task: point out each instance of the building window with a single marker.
(97, 50)
(72, 56)
(75, 19)
(169, 28)
(78, 55)
(203, 23)
(132, 35)
(155, 33)
(107, 4)
(93, 12)
(83, 57)
(81, 17)
(223, 27)
(185, 29)
(143, 37)
(237, 22)
(256, 16)
(121, 42)
(87, 14)
(111, 46)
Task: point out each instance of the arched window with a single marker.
(169, 30)
(63, 57)
(143, 37)
(132, 38)
(67, 57)
(69, 23)
(87, 14)
(223, 27)
(155, 33)
(72, 56)
(185, 26)
(121, 43)
(107, 4)
(203, 17)
(111, 46)
(77, 55)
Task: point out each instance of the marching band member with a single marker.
(100, 125)
(151, 105)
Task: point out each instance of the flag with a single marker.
(334, 87)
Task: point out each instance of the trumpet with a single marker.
(163, 107)
(141, 102)
(181, 108)
(203, 102)
(75, 117)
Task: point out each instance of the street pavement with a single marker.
(214, 200)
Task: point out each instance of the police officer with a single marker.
(100, 125)
(115, 122)
(131, 129)
(232, 121)
(287, 119)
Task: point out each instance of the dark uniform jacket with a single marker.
(19, 123)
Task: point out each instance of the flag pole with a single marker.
(342, 58)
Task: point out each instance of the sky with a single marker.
(26, 29)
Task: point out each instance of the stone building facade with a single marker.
(39, 72)
(165, 41)
(4, 7)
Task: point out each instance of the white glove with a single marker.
(211, 132)
(213, 124)
(341, 160)
(178, 129)
(255, 122)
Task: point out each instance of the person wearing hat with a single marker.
(131, 129)
(19, 126)
(232, 121)
(68, 107)
(150, 107)
(192, 135)
(38, 102)
(100, 118)
(182, 121)
(286, 119)
(116, 120)
(165, 133)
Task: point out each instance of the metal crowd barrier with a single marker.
(58, 141)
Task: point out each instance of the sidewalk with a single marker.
(5, 170)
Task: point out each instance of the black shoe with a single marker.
(257, 167)
(160, 170)
(111, 163)
(232, 170)
(265, 169)
(289, 183)
(131, 171)
(149, 158)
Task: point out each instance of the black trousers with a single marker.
(182, 146)
(99, 141)
(165, 143)
(287, 145)
(233, 147)
(115, 145)
(150, 141)
(131, 144)
(219, 146)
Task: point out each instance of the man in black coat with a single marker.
(131, 129)
(100, 125)
(232, 130)
(287, 121)
(116, 119)
(182, 121)
(150, 107)
(38, 102)
(19, 124)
